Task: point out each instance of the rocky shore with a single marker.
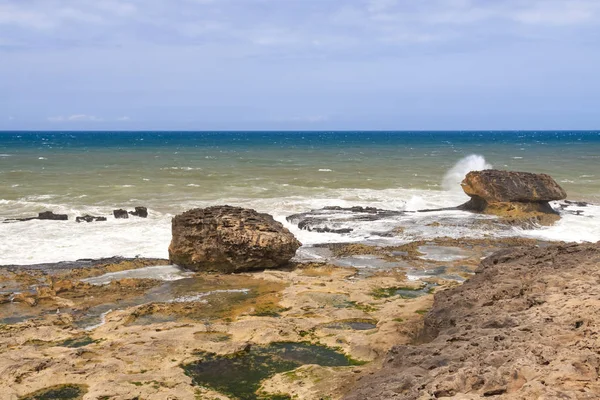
(116, 337)
(232, 315)
(524, 327)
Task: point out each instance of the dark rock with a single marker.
(89, 218)
(46, 215)
(230, 239)
(141, 212)
(577, 203)
(340, 220)
(120, 213)
(311, 225)
(49, 215)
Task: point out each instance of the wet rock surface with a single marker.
(524, 327)
(512, 194)
(141, 212)
(49, 215)
(340, 219)
(46, 215)
(228, 239)
(120, 214)
(89, 218)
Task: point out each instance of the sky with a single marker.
(299, 64)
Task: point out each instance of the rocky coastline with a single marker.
(232, 315)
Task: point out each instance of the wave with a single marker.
(50, 241)
(457, 173)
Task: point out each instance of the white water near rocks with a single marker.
(159, 272)
(52, 241)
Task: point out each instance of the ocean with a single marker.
(281, 173)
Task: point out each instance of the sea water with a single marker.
(281, 173)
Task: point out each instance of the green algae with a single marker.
(77, 342)
(240, 374)
(352, 324)
(59, 392)
(405, 292)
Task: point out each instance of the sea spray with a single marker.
(457, 173)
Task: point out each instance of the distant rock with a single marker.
(141, 212)
(512, 194)
(230, 239)
(120, 214)
(49, 215)
(89, 218)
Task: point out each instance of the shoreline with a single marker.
(359, 311)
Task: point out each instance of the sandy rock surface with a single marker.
(524, 327)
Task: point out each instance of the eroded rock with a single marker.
(512, 194)
(230, 239)
(522, 328)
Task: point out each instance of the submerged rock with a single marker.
(120, 214)
(89, 218)
(512, 194)
(51, 216)
(141, 212)
(46, 215)
(230, 239)
(341, 220)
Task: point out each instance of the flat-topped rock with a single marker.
(495, 186)
(230, 239)
(513, 195)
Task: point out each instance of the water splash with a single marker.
(457, 173)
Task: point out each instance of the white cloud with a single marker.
(558, 12)
(124, 118)
(75, 118)
(289, 26)
(22, 17)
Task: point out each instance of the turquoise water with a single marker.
(277, 172)
(158, 166)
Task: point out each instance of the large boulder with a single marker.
(230, 239)
(512, 194)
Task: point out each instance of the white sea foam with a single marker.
(200, 296)
(99, 324)
(325, 170)
(51, 241)
(160, 272)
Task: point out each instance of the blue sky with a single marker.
(299, 64)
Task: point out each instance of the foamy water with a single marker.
(281, 174)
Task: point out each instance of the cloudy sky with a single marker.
(299, 64)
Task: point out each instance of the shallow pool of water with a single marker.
(241, 374)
